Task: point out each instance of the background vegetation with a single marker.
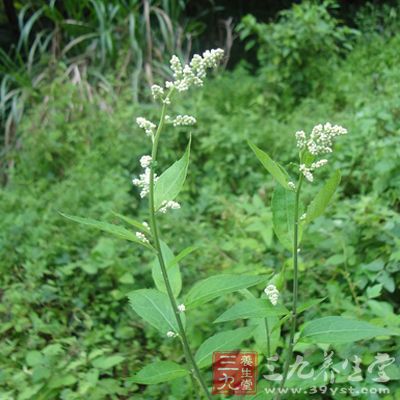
(73, 82)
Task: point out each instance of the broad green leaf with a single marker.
(158, 372)
(227, 341)
(107, 362)
(276, 170)
(283, 203)
(337, 330)
(155, 308)
(171, 181)
(218, 285)
(322, 199)
(132, 222)
(181, 256)
(115, 230)
(254, 308)
(174, 273)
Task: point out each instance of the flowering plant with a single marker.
(161, 307)
(164, 307)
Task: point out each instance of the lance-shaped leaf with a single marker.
(283, 204)
(336, 330)
(218, 285)
(115, 230)
(227, 340)
(276, 170)
(185, 252)
(322, 199)
(158, 372)
(173, 272)
(252, 308)
(133, 222)
(155, 308)
(171, 181)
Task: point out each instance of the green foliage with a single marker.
(171, 181)
(340, 330)
(226, 340)
(64, 316)
(158, 372)
(299, 51)
(252, 308)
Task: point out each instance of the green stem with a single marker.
(154, 231)
(268, 338)
(295, 286)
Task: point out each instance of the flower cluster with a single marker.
(171, 334)
(166, 205)
(307, 171)
(142, 237)
(143, 182)
(188, 75)
(321, 138)
(319, 142)
(183, 120)
(193, 74)
(272, 293)
(147, 125)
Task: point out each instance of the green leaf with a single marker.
(253, 308)
(227, 341)
(107, 362)
(322, 199)
(171, 181)
(158, 372)
(115, 230)
(185, 252)
(132, 222)
(283, 204)
(218, 285)
(174, 272)
(336, 330)
(276, 170)
(155, 308)
(308, 304)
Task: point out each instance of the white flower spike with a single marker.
(272, 293)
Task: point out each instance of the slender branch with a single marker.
(154, 231)
(295, 285)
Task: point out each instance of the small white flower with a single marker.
(306, 172)
(318, 164)
(145, 161)
(147, 125)
(146, 225)
(171, 334)
(272, 293)
(303, 217)
(184, 120)
(181, 308)
(301, 139)
(143, 182)
(166, 205)
(292, 185)
(157, 92)
(142, 237)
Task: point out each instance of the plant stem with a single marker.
(268, 337)
(154, 231)
(295, 285)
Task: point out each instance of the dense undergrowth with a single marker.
(66, 329)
